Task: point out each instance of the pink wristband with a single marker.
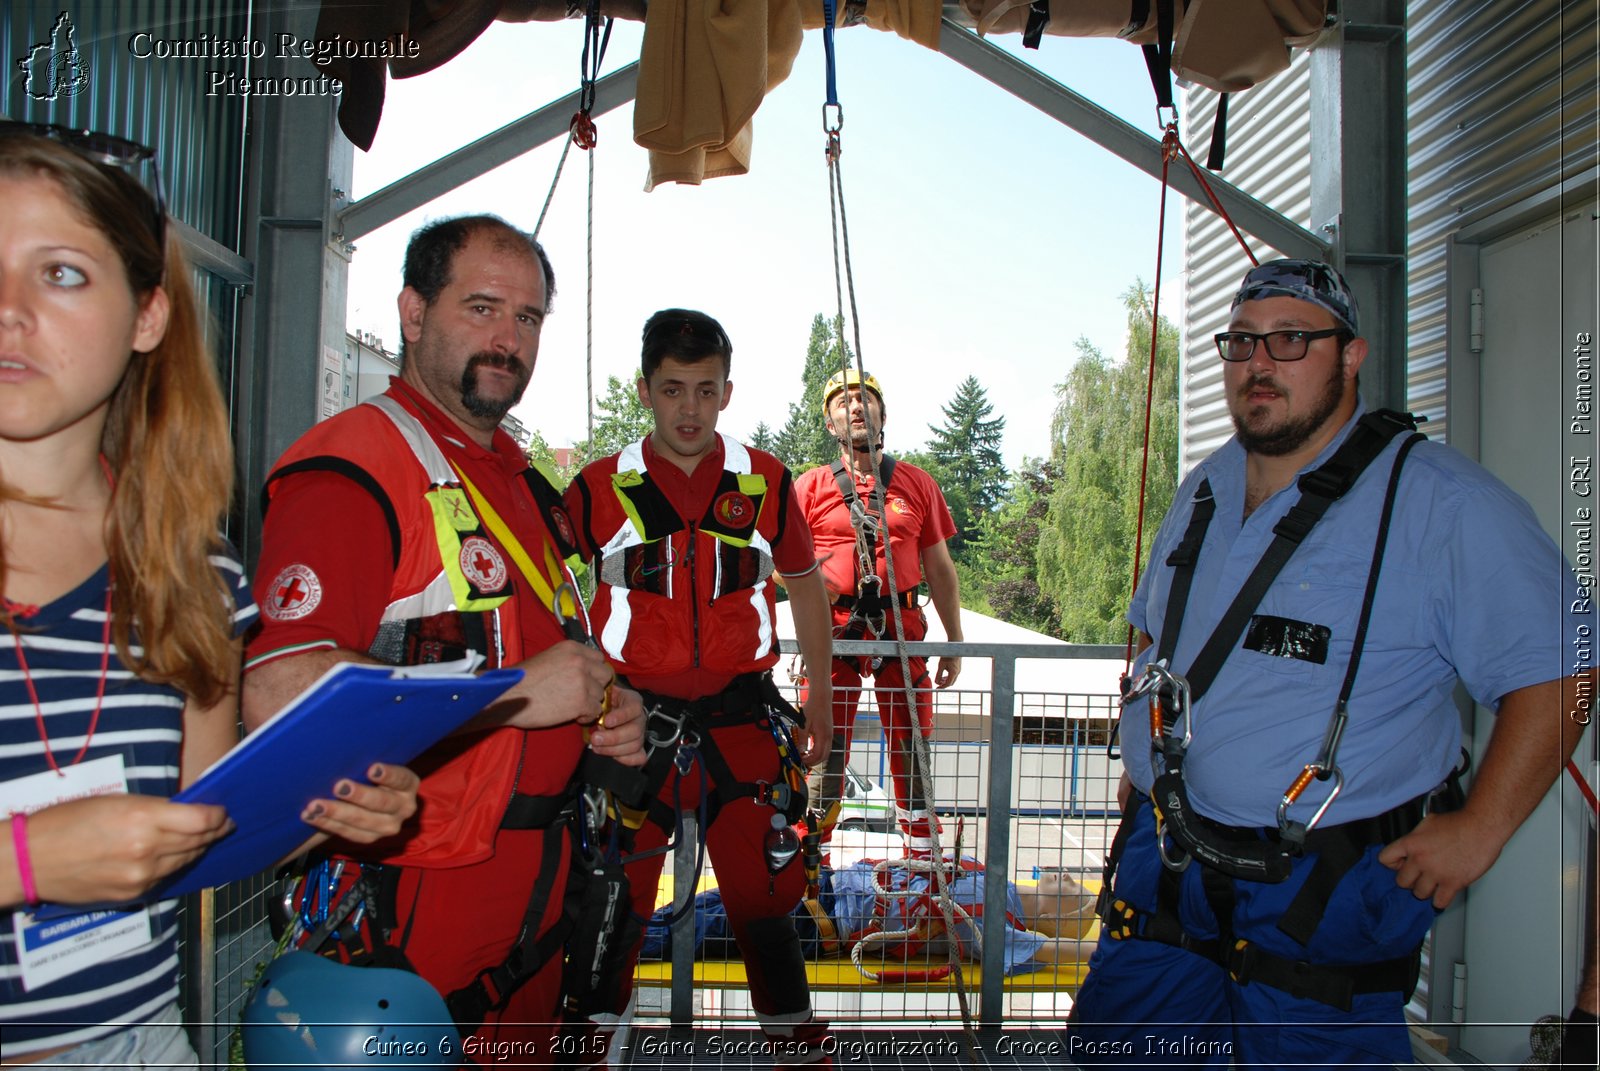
(19, 841)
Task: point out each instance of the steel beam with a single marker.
(1358, 178)
(1122, 139)
(294, 312)
(523, 135)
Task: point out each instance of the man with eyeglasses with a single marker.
(1269, 906)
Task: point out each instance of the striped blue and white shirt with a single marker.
(143, 723)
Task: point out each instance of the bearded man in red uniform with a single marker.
(689, 530)
(411, 529)
(848, 506)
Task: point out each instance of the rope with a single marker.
(1171, 148)
(921, 779)
(915, 926)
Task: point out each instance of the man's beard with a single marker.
(491, 408)
(1293, 433)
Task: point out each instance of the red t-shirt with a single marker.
(918, 518)
(690, 494)
(326, 524)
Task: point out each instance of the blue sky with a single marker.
(985, 236)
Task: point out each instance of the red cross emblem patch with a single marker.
(563, 523)
(734, 509)
(482, 565)
(293, 593)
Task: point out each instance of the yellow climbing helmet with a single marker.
(851, 378)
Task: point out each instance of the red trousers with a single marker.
(899, 715)
(757, 901)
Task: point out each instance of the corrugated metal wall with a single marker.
(160, 102)
(1268, 134)
(1500, 106)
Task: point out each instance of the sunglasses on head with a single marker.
(678, 327)
(107, 150)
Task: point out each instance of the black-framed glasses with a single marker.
(1281, 345)
(108, 150)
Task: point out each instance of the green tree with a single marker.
(803, 442)
(620, 418)
(540, 453)
(763, 439)
(1000, 576)
(966, 459)
(1086, 545)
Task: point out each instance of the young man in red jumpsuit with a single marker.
(688, 530)
(919, 526)
(392, 536)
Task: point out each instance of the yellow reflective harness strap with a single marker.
(559, 594)
(562, 603)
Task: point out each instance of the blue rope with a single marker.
(827, 48)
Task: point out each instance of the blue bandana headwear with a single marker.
(1308, 280)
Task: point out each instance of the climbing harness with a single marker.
(619, 800)
(1168, 693)
(1231, 853)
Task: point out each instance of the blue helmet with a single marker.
(311, 1011)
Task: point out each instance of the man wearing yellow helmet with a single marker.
(881, 527)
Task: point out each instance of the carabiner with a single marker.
(1294, 831)
(831, 127)
(1321, 768)
(571, 624)
(655, 740)
(1178, 865)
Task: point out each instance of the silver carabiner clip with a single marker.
(1291, 831)
(652, 738)
(1177, 865)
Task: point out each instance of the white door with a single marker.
(1540, 432)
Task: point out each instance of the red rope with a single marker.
(1171, 146)
(1583, 786)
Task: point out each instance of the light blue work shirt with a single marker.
(1471, 588)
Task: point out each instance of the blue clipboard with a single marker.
(353, 716)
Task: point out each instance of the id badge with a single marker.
(51, 943)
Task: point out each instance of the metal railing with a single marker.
(226, 933)
(998, 787)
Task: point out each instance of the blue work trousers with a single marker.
(1145, 1003)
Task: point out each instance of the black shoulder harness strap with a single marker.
(1319, 489)
(852, 502)
(350, 471)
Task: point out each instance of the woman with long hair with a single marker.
(122, 606)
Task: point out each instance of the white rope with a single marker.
(922, 764)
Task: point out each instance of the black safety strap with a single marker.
(1038, 19)
(494, 987)
(1382, 541)
(847, 491)
(536, 812)
(1158, 54)
(1336, 985)
(907, 600)
(1183, 559)
(1219, 135)
(1319, 489)
(351, 471)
